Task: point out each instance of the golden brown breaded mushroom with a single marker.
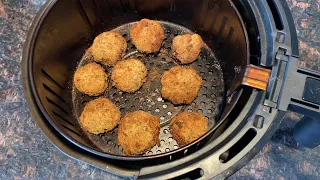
(129, 75)
(147, 35)
(138, 131)
(91, 79)
(180, 84)
(186, 48)
(108, 48)
(186, 127)
(99, 116)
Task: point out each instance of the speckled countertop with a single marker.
(26, 154)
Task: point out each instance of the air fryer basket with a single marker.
(68, 30)
(63, 30)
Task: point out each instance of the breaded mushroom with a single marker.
(91, 79)
(186, 48)
(186, 127)
(108, 48)
(99, 116)
(129, 75)
(180, 84)
(138, 131)
(147, 35)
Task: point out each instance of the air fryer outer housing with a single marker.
(273, 38)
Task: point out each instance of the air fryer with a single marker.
(241, 35)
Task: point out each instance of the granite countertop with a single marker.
(26, 154)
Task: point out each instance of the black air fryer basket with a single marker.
(240, 35)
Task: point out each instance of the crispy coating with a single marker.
(99, 116)
(180, 84)
(186, 48)
(186, 127)
(147, 35)
(138, 131)
(91, 79)
(129, 75)
(108, 48)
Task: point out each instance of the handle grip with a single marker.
(306, 131)
(301, 91)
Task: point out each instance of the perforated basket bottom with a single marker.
(148, 98)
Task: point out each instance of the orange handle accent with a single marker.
(256, 77)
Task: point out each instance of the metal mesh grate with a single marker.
(149, 99)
